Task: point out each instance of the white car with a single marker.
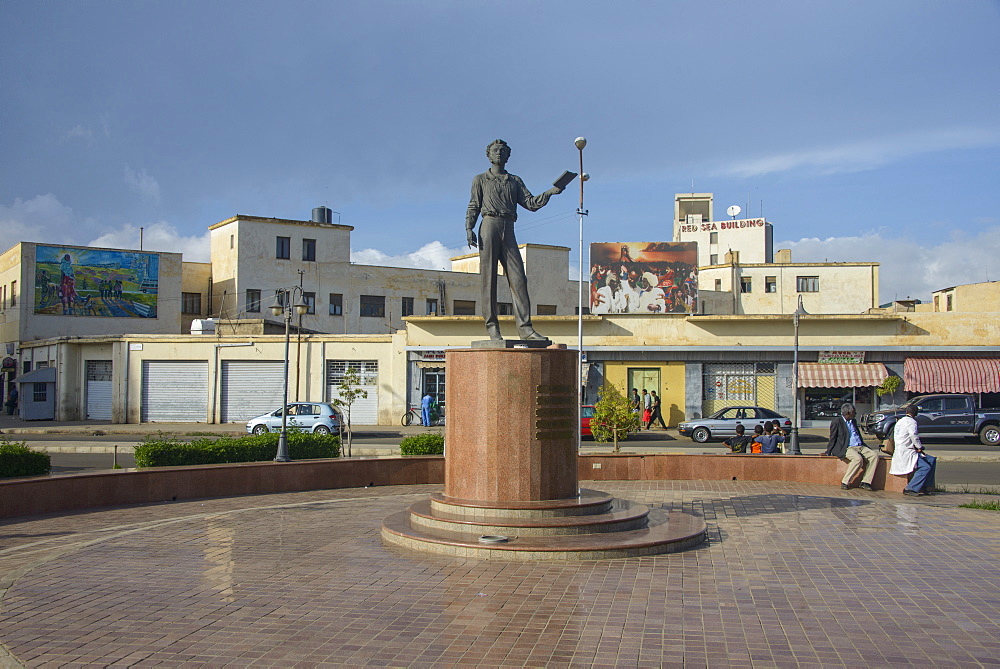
(318, 417)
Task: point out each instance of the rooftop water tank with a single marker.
(322, 215)
(202, 326)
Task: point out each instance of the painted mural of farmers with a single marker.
(67, 284)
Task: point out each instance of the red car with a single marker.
(586, 415)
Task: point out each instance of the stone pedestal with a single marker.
(512, 424)
(511, 474)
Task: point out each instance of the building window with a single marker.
(253, 301)
(232, 241)
(746, 284)
(770, 284)
(373, 305)
(283, 248)
(38, 392)
(25, 366)
(407, 309)
(191, 303)
(432, 307)
(713, 259)
(309, 249)
(713, 238)
(13, 293)
(937, 303)
(807, 284)
(586, 311)
(546, 310)
(309, 299)
(464, 308)
(336, 304)
(947, 303)
(505, 308)
(718, 284)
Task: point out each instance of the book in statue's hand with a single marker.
(564, 179)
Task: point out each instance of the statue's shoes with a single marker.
(494, 332)
(533, 336)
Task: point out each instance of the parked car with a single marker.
(318, 417)
(722, 423)
(952, 415)
(586, 415)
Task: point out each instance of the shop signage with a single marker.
(9, 363)
(714, 226)
(842, 357)
(431, 356)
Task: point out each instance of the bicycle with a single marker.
(411, 414)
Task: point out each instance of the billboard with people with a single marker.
(73, 281)
(643, 278)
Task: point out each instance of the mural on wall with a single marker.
(643, 278)
(71, 281)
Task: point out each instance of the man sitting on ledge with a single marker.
(846, 442)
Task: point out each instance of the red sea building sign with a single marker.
(714, 226)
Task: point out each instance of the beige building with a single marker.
(254, 258)
(737, 287)
(32, 304)
(967, 297)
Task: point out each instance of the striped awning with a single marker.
(952, 375)
(823, 375)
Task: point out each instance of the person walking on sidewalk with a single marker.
(12, 400)
(656, 416)
(647, 409)
(909, 455)
(846, 442)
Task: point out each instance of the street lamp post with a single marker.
(793, 440)
(284, 307)
(580, 142)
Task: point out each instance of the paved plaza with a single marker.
(793, 575)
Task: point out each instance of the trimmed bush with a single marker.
(16, 459)
(160, 451)
(422, 444)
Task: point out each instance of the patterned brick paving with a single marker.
(793, 575)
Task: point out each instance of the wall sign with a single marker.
(842, 357)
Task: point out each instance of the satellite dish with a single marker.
(734, 211)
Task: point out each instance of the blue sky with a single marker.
(865, 131)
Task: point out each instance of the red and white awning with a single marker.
(824, 375)
(952, 375)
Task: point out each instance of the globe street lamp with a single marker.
(283, 307)
(793, 439)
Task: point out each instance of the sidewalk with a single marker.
(304, 580)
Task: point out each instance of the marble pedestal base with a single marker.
(511, 471)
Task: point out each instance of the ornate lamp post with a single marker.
(580, 142)
(284, 307)
(793, 439)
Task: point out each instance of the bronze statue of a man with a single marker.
(495, 195)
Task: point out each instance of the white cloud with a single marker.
(434, 255)
(143, 184)
(81, 133)
(161, 236)
(42, 218)
(911, 267)
(865, 155)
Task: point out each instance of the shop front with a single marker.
(826, 386)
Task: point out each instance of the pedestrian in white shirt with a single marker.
(909, 455)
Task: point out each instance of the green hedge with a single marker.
(422, 444)
(16, 459)
(160, 451)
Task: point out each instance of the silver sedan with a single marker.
(722, 424)
(318, 417)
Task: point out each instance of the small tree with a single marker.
(350, 390)
(613, 417)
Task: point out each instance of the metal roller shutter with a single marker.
(363, 411)
(250, 388)
(99, 389)
(174, 391)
